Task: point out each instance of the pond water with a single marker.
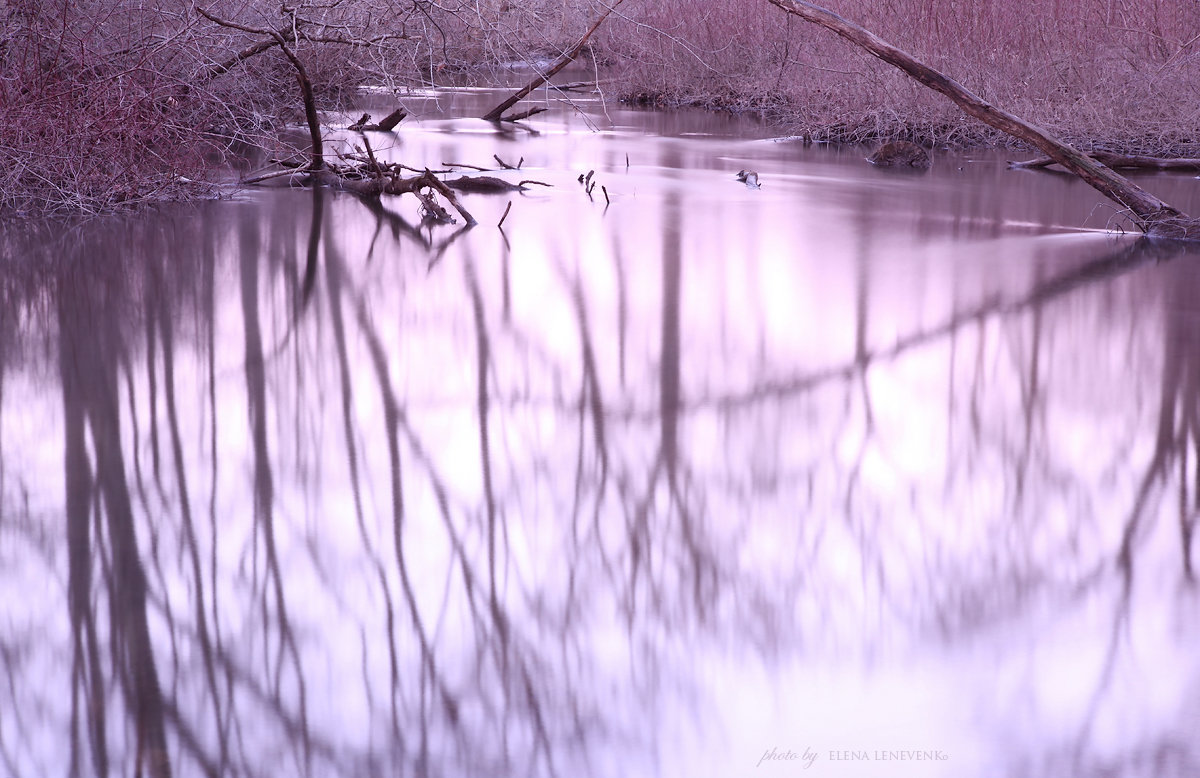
(855, 474)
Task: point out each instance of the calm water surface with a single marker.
(858, 474)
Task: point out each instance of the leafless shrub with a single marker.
(92, 111)
(121, 102)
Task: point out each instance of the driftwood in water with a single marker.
(396, 185)
(516, 117)
(505, 166)
(390, 121)
(576, 86)
(497, 113)
(489, 184)
(388, 124)
(1121, 161)
(369, 178)
(365, 176)
(1152, 216)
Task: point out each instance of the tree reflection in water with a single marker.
(505, 518)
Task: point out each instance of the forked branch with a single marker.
(306, 89)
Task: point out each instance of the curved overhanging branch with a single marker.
(306, 89)
(1152, 216)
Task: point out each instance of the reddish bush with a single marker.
(115, 102)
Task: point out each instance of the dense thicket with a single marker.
(108, 101)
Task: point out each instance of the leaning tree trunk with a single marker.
(306, 89)
(495, 115)
(1152, 216)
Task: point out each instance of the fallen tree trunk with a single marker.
(1152, 216)
(1122, 161)
(387, 125)
(396, 185)
(496, 114)
(489, 184)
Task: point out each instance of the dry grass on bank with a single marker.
(1116, 74)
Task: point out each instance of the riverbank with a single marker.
(821, 114)
(1100, 75)
(105, 108)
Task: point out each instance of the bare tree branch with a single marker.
(310, 104)
(496, 114)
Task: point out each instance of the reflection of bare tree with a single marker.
(249, 244)
(190, 540)
(1178, 421)
(591, 414)
(87, 673)
(334, 283)
(696, 563)
(637, 518)
(436, 699)
(483, 404)
(482, 596)
(430, 680)
(207, 306)
(1177, 429)
(1032, 400)
(1095, 271)
(89, 358)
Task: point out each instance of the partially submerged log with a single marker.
(506, 166)
(1120, 161)
(516, 117)
(388, 124)
(1153, 216)
(489, 184)
(497, 113)
(369, 178)
(390, 121)
(398, 185)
